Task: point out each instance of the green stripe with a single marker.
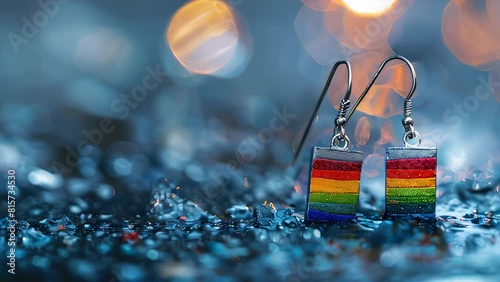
(411, 200)
(334, 198)
(334, 208)
(411, 192)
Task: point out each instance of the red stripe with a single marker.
(410, 173)
(324, 164)
(415, 164)
(336, 174)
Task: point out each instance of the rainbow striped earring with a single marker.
(410, 186)
(335, 171)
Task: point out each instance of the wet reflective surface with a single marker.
(175, 239)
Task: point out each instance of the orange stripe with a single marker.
(336, 174)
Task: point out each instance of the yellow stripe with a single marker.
(323, 185)
(410, 183)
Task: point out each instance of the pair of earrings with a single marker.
(334, 181)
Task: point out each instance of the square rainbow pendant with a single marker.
(333, 184)
(411, 182)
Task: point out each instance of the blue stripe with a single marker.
(314, 215)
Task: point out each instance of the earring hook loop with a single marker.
(344, 106)
(410, 131)
(377, 73)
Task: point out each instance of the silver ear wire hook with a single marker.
(410, 131)
(340, 121)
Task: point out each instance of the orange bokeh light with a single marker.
(360, 32)
(203, 35)
(362, 131)
(369, 7)
(386, 134)
(470, 31)
(382, 100)
(315, 36)
(329, 30)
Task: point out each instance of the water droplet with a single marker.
(265, 215)
(105, 191)
(240, 212)
(32, 238)
(45, 179)
(273, 248)
(317, 233)
(152, 255)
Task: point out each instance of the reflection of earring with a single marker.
(335, 171)
(410, 170)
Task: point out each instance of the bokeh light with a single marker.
(369, 7)
(104, 50)
(467, 29)
(330, 30)
(203, 35)
(84, 192)
(362, 132)
(382, 100)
